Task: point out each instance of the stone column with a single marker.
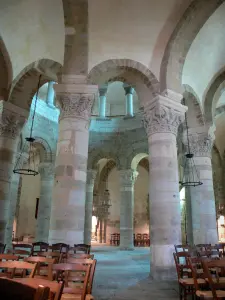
(91, 174)
(127, 180)
(46, 170)
(161, 118)
(50, 94)
(68, 205)
(102, 102)
(129, 100)
(12, 119)
(202, 200)
(13, 202)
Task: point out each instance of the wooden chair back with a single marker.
(43, 266)
(63, 273)
(2, 247)
(14, 265)
(23, 250)
(92, 263)
(61, 247)
(195, 265)
(83, 248)
(181, 263)
(52, 254)
(80, 255)
(39, 247)
(12, 290)
(8, 257)
(214, 283)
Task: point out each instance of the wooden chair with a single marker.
(182, 248)
(185, 282)
(216, 283)
(64, 271)
(2, 247)
(61, 247)
(39, 247)
(7, 257)
(113, 239)
(23, 250)
(146, 240)
(21, 265)
(43, 266)
(56, 255)
(80, 256)
(12, 290)
(83, 248)
(92, 263)
(138, 240)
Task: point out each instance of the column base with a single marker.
(129, 248)
(160, 273)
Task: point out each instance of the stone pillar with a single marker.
(202, 212)
(102, 102)
(91, 174)
(68, 205)
(129, 100)
(13, 202)
(12, 119)
(162, 117)
(50, 94)
(46, 170)
(127, 180)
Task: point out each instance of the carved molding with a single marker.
(201, 144)
(128, 177)
(76, 105)
(162, 117)
(47, 171)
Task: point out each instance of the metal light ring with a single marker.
(25, 172)
(191, 183)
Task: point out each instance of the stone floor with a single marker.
(123, 275)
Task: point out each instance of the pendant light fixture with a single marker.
(190, 173)
(28, 146)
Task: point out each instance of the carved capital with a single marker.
(91, 175)
(163, 115)
(128, 177)
(128, 89)
(76, 106)
(103, 90)
(201, 144)
(12, 119)
(47, 171)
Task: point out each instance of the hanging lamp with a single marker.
(29, 146)
(190, 173)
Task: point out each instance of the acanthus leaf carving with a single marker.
(128, 177)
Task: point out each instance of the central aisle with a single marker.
(123, 275)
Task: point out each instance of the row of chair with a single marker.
(54, 266)
(140, 240)
(202, 250)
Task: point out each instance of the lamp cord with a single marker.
(186, 124)
(35, 105)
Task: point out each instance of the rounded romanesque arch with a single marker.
(180, 42)
(94, 157)
(5, 71)
(24, 86)
(137, 159)
(129, 71)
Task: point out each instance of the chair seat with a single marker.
(221, 279)
(76, 297)
(190, 281)
(208, 294)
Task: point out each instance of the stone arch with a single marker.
(210, 94)
(95, 155)
(180, 42)
(129, 71)
(109, 166)
(24, 86)
(5, 71)
(194, 113)
(137, 159)
(144, 163)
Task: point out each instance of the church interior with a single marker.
(112, 148)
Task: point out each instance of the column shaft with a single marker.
(129, 100)
(50, 94)
(161, 118)
(12, 119)
(102, 102)
(89, 206)
(68, 205)
(127, 179)
(44, 209)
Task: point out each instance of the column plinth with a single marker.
(91, 174)
(161, 118)
(12, 119)
(68, 205)
(127, 180)
(46, 171)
